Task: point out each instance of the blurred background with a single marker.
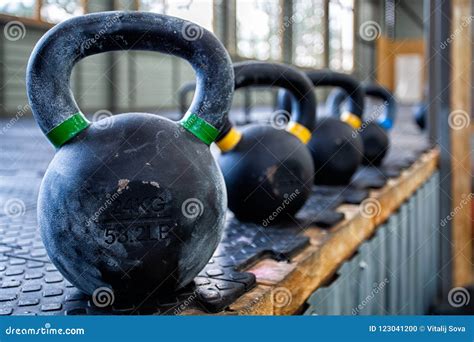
(421, 50)
(373, 40)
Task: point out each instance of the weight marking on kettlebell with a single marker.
(132, 208)
(142, 214)
(140, 232)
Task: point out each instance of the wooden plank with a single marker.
(461, 60)
(259, 301)
(284, 287)
(29, 22)
(38, 5)
(387, 50)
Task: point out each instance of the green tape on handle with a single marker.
(200, 128)
(68, 129)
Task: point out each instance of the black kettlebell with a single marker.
(374, 129)
(336, 149)
(419, 114)
(268, 169)
(134, 202)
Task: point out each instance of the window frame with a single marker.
(37, 20)
(354, 40)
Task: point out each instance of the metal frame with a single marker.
(2, 76)
(439, 109)
(431, 70)
(400, 256)
(286, 35)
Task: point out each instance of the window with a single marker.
(258, 29)
(198, 11)
(54, 11)
(341, 34)
(308, 33)
(20, 8)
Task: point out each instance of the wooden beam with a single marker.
(29, 22)
(85, 6)
(38, 6)
(461, 61)
(232, 26)
(387, 50)
(292, 283)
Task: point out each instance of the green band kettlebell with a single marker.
(137, 203)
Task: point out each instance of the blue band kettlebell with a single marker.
(374, 129)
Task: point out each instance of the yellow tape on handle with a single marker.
(299, 131)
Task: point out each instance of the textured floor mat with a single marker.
(30, 284)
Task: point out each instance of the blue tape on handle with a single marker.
(386, 124)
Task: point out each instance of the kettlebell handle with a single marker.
(327, 77)
(390, 104)
(51, 63)
(387, 119)
(253, 73)
(282, 76)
